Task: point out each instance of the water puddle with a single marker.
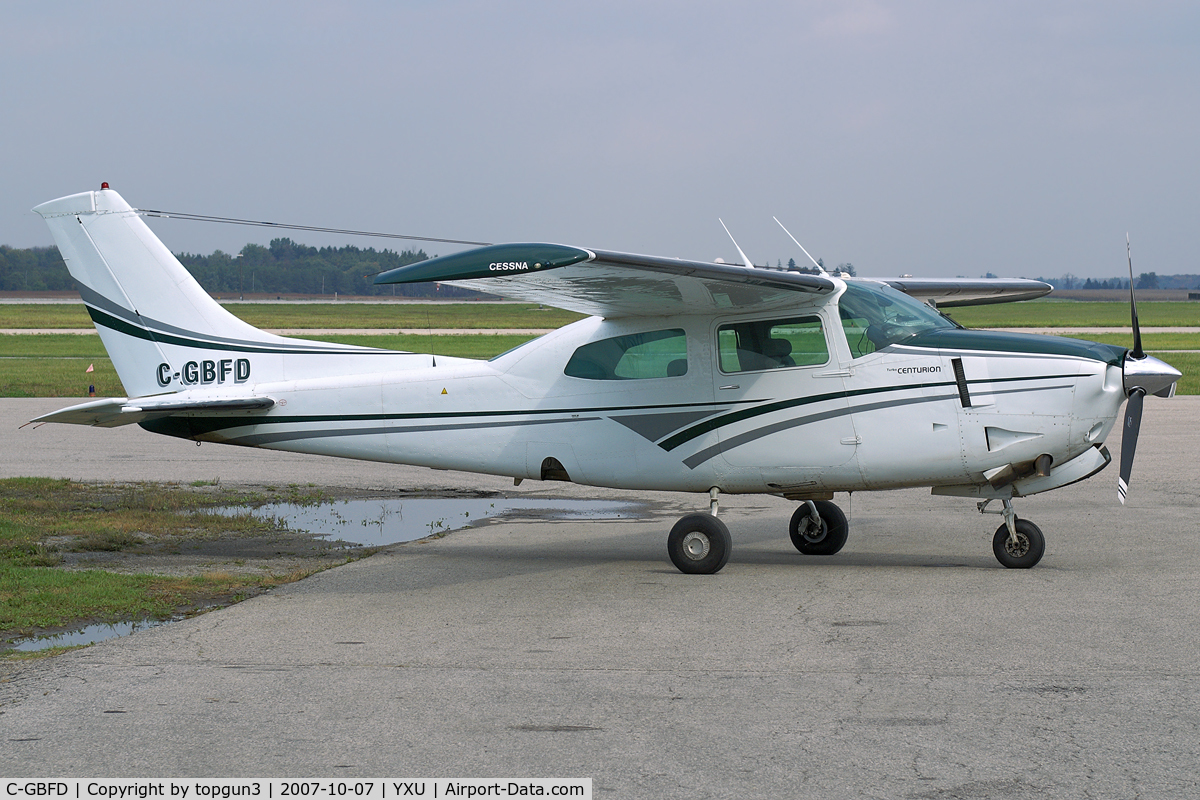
(379, 522)
(370, 523)
(89, 635)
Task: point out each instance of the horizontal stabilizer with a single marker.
(115, 411)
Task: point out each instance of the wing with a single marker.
(969, 291)
(609, 284)
(116, 411)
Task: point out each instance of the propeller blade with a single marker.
(1137, 331)
(1129, 437)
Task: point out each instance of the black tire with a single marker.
(1027, 551)
(699, 544)
(831, 538)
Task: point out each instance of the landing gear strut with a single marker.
(699, 544)
(1018, 543)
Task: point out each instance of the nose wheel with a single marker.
(818, 528)
(1018, 543)
(1021, 551)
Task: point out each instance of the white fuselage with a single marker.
(884, 419)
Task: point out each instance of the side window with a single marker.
(771, 344)
(657, 354)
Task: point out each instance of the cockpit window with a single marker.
(771, 344)
(656, 354)
(874, 315)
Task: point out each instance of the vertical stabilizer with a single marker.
(162, 330)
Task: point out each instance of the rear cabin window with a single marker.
(657, 354)
(771, 344)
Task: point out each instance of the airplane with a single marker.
(687, 376)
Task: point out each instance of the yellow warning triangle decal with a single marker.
(444, 391)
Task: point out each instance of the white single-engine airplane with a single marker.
(690, 376)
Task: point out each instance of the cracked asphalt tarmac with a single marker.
(909, 665)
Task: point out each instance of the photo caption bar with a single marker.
(277, 788)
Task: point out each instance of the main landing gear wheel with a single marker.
(822, 539)
(699, 544)
(1023, 553)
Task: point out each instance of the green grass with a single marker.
(51, 345)
(34, 598)
(44, 315)
(58, 377)
(1033, 314)
(41, 518)
(1064, 314)
(328, 315)
(403, 315)
(1150, 341)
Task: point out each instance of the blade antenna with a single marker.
(797, 241)
(1137, 331)
(745, 259)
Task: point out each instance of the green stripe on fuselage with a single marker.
(202, 425)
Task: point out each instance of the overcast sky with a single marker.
(931, 138)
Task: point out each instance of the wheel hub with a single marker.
(813, 532)
(696, 545)
(1018, 547)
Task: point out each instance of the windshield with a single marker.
(874, 315)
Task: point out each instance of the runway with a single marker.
(909, 665)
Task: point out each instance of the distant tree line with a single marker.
(792, 266)
(285, 267)
(33, 269)
(1146, 280)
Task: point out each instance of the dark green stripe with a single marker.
(213, 424)
(121, 326)
(701, 428)
(714, 423)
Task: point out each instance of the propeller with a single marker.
(1142, 374)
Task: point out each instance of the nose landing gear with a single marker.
(818, 528)
(1018, 543)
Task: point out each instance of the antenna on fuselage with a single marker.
(797, 241)
(745, 259)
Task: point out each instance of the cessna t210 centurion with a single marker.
(688, 376)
